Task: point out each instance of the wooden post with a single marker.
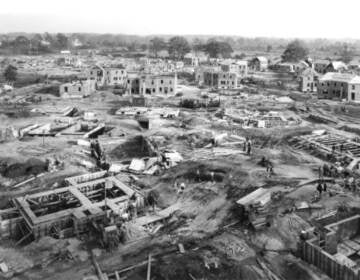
(148, 268)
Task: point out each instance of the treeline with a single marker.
(176, 46)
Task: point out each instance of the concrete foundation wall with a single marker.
(9, 227)
(325, 262)
(347, 229)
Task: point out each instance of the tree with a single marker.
(295, 51)
(197, 45)
(62, 41)
(346, 53)
(10, 73)
(216, 48)
(157, 44)
(36, 41)
(268, 48)
(21, 44)
(177, 47)
(240, 56)
(49, 38)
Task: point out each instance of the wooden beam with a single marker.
(23, 239)
(148, 275)
(117, 275)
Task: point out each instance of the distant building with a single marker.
(97, 74)
(301, 66)
(67, 59)
(354, 65)
(195, 58)
(308, 80)
(284, 67)
(259, 63)
(216, 78)
(191, 59)
(339, 86)
(336, 66)
(320, 65)
(141, 84)
(228, 80)
(238, 67)
(115, 76)
(78, 89)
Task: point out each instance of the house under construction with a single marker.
(84, 202)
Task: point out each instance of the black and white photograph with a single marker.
(179, 140)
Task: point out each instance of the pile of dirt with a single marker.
(196, 139)
(50, 89)
(32, 166)
(198, 171)
(136, 147)
(273, 136)
(351, 128)
(195, 265)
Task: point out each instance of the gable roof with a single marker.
(341, 77)
(309, 71)
(322, 61)
(262, 59)
(338, 65)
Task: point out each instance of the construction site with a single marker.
(117, 187)
(119, 164)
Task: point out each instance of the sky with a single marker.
(250, 18)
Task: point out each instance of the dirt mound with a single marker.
(196, 265)
(198, 171)
(197, 140)
(136, 147)
(32, 166)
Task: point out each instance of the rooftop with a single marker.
(341, 77)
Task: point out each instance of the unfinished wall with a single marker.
(324, 261)
(346, 229)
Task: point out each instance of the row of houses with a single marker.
(332, 85)
(132, 83)
(339, 86)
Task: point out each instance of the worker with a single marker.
(92, 149)
(97, 148)
(326, 171)
(342, 147)
(263, 161)
(321, 173)
(269, 168)
(198, 175)
(324, 187)
(212, 174)
(248, 147)
(319, 188)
